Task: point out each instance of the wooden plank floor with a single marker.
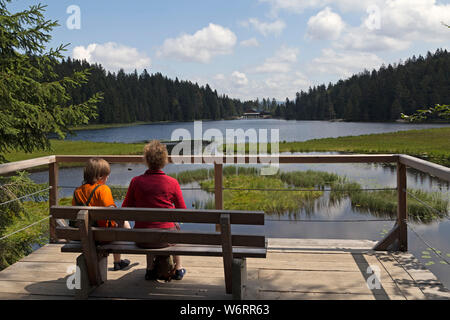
(294, 269)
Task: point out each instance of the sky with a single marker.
(248, 49)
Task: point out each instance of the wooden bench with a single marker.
(92, 263)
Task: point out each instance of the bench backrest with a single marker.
(224, 218)
(85, 216)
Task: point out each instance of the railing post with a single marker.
(218, 188)
(402, 214)
(227, 251)
(53, 171)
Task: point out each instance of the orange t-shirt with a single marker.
(102, 198)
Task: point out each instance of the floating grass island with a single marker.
(292, 192)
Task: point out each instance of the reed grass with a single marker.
(379, 203)
(271, 202)
(190, 176)
(311, 178)
(384, 204)
(66, 147)
(429, 144)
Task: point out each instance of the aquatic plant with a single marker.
(252, 197)
(380, 203)
(310, 178)
(189, 176)
(383, 203)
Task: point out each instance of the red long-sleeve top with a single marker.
(154, 189)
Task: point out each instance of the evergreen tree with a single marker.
(330, 114)
(396, 110)
(379, 95)
(34, 100)
(146, 97)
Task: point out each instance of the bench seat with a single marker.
(124, 247)
(92, 262)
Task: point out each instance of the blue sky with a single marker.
(249, 48)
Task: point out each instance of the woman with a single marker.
(95, 193)
(154, 189)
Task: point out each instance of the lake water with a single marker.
(288, 130)
(436, 234)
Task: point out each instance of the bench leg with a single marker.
(84, 287)
(239, 278)
(103, 266)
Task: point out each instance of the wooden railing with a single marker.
(397, 239)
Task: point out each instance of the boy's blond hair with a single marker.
(156, 155)
(96, 169)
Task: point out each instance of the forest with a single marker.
(379, 95)
(136, 97)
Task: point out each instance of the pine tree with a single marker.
(416, 84)
(34, 100)
(330, 114)
(349, 111)
(396, 110)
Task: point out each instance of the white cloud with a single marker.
(275, 78)
(202, 46)
(296, 6)
(250, 43)
(401, 22)
(361, 39)
(281, 62)
(113, 56)
(284, 86)
(396, 25)
(239, 78)
(278, 86)
(414, 20)
(219, 77)
(325, 25)
(266, 28)
(235, 80)
(344, 64)
(299, 6)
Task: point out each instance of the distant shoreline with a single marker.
(429, 144)
(132, 124)
(137, 123)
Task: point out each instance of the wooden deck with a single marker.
(294, 269)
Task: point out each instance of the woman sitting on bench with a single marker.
(154, 189)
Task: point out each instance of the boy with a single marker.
(94, 192)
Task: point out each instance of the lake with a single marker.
(436, 234)
(288, 130)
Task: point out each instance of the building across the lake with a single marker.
(250, 113)
(253, 114)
